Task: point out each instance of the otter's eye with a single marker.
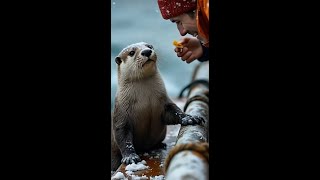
(131, 53)
(149, 46)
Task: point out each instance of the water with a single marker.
(134, 21)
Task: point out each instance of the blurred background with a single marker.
(140, 20)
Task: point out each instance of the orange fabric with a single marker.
(203, 19)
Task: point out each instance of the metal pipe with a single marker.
(189, 158)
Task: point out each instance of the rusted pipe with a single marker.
(189, 158)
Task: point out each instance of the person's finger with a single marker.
(182, 52)
(186, 55)
(184, 40)
(190, 59)
(179, 54)
(178, 50)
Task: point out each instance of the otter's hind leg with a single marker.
(115, 154)
(124, 137)
(115, 160)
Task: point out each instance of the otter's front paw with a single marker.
(191, 120)
(131, 158)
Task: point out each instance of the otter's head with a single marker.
(136, 61)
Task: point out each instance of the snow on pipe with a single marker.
(189, 159)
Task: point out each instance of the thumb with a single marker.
(184, 40)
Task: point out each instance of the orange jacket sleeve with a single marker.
(203, 19)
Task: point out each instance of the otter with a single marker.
(142, 107)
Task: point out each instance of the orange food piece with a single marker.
(177, 44)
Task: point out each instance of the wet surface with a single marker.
(155, 158)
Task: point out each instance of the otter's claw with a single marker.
(191, 120)
(132, 158)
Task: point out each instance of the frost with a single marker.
(137, 167)
(160, 177)
(119, 175)
(197, 171)
(143, 162)
(129, 172)
(129, 146)
(135, 177)
(200, 136)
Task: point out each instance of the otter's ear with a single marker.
(118, 60)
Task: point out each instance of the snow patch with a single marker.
(136, 167)
(135, 177)
(119, 175)
(129, 172)
(160, 177)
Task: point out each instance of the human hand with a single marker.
(191, 50)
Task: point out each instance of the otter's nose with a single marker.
(146, 52)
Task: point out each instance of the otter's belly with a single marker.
(148, 129)
(149, 138)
